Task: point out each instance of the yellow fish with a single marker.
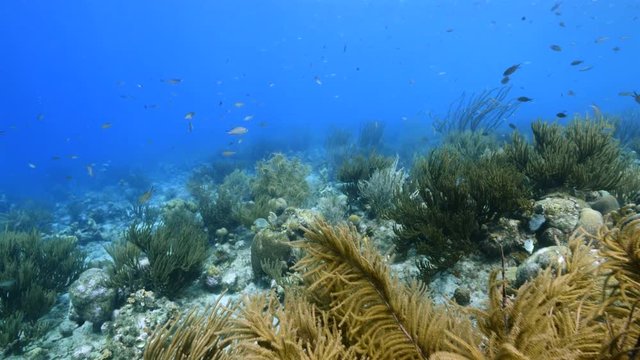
(248, 118)
(189, 115)
(238, 130)
(144, 198)
(106, 125)
(228, 153)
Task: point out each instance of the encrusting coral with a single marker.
(351, 307)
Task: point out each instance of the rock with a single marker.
(555, 256)
(536, 222)
(462, 296)
(82, 352)
(605, 203)
(212, 278)
(506, 233)
(67, 327)
(552, 236)
(92, 299)
(37, 353)
(590, 220)
(560, 212)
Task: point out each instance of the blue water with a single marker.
(299, 67)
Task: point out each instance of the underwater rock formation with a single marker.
(92, 298)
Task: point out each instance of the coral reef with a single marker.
(281, 177)
(582, 156)
(379, 190)
(357, 169)
(352, 308)
(448, 199)
(165, 260)
(33, 271)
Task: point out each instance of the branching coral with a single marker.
(281, 177)
(447, 200)
(379, 190)
(175, 251)
(357, 169)
(484, 111)
(584, 156)
(32, 272)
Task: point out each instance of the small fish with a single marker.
(576, 62)
(512, 125)
(40, 117)
(238, 104)
(90, 170)
(504, 80)
(146, 196)
(344, 48)
(248, 118)
(449, 30)
(7, 284)
(555, 47)
(524, 99)
(68, 177)
(636, 97)
(616, 48)
(73, 157)
(190, 126)
(189, 115)
(106, 125)
(55, 157)
(150, 106)
(586, 68)
(596, 110)
(510, 70)
(561, 24)
(561, 115)
(625, 93)
(571, 93)
(228, 153)
(2, 132)
(263, 124)
(555, 7)
(601, 39)
(174, 81)
(238, 130)
(32, 165)
(317, 80)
